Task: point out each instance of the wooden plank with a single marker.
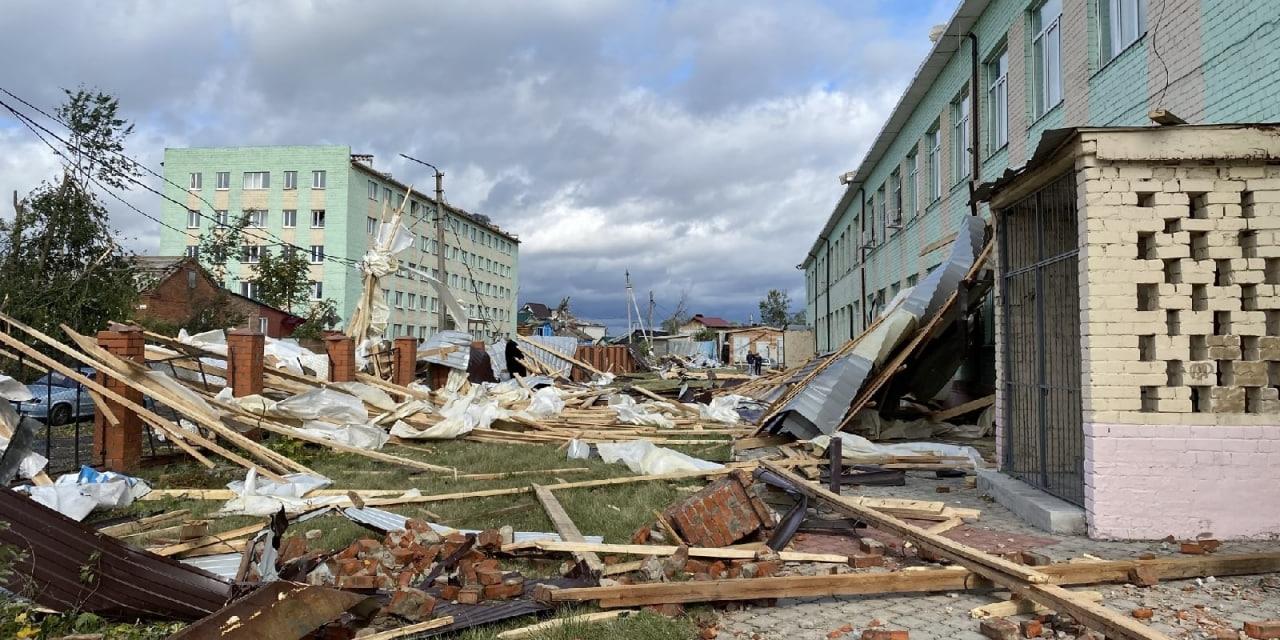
(719, 553)
(759, 442)
(401, 632)
(1022, 607)
(225, 536)
(921, 581)
(566, 528)
(569, 359)
(938, 244)
(143, 524)
(1025, 581)
(549, 625)
(961, 409)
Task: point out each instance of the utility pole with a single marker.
(441, 314)
(630, 295)
(651, 315)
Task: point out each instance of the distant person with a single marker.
(479, 367)
(514, 366)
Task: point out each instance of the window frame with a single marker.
(961, 157)
(193, 218)
(912, 186)
(1117, 41)
(998, 100)
(222, 181)
(1047, 94)
(250, 253)
(317, 289)
(319, 179)
(261, 185)
(934, 136)
(317, 254)
(289, 219)
(895, 198)
(197, 181)
(290, 181)
(315, 218)
(257, 218)
(373, 190)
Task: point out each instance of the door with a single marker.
(1040, 303)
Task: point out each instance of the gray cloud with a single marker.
(696, 145)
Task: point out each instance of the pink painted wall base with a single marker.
(1152, 481)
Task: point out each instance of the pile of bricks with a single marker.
(1043, 625)
(680, 567)
(726, 512)
(408, 561)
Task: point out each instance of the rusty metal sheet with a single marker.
(280, 611)
(68, 566)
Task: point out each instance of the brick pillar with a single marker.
(119, 446)
(244, 362)
(342, 358)
(405, 357)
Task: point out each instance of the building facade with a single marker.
(327, 203)
(1001, 74)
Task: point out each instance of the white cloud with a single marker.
(695, 144)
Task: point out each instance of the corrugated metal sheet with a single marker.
(821, 406)
(456, 359)
(70, 567)
(279, 611)
(557, 345)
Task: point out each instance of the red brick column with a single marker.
(119, 446)
(405, 357)
(244, 362)
(342, 358)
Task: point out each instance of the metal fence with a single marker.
(1040, 303)
(63, 412)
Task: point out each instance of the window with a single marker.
(895, 185)
(290, 218)
(290, 180)
(960, 137)
(262, 324)
(257, 218)
(386, 194)
(317, 290)
(1122, 22)
(395, 331)
(223, 180)
(317, 179)
(882, 203)
(399, 299)
(257, 180)
(998, 101)
(193, 219)
(317, 218)
(413, 302)
(913, 171)
(249, 289)
(317, 253)
(197, 181)
(193, 251)
(221, 216)
(373, 190)
(1047, 52)
(934, 139)
(371, 225)
(250, 254)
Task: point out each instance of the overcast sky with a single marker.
(696, 144)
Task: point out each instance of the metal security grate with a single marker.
(1040, 303)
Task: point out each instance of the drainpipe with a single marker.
(862, 259)
(975, 122)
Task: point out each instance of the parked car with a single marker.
(57, 399)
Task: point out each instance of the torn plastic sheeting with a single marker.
(361, 436)
(14, 391)
(462, 414)
(722, 409)
(327, 402)
(644, 457)
(75, 495)
(385, 521)
(859, 449)
(32, 463)
(579, 450)
(371, 395)
(287, 354)
(258, 496)
(546, 403)
(639, 414)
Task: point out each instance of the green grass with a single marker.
(637, 626)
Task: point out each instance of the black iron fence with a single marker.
(1040, 303)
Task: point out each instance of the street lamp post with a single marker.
(440, 221)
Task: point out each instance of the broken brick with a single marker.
(871, 546)
(411, 604)
(1142, 613)
(1031, 628)
(885, 634)
(1263, 629)
(358, 582)
(470, 594)
(1144, 576)
(1192, 548)
(999, 629)
(505, 590)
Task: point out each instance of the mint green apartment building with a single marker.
(327, 202)
(999, 75)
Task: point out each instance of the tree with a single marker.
(679, 317)
(217, 246)
(284, 280)
(59, 261)
(775, 309)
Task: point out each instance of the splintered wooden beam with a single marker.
(1025, 581)
(567, 529)
(909, 581)
(144, 524)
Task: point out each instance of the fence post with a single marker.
(404, 368)
(342, 358)
(244, 362)
(119, 445)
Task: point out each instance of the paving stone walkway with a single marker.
(1183, 609)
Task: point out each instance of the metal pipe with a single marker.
(862, 258)
(975, 123)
